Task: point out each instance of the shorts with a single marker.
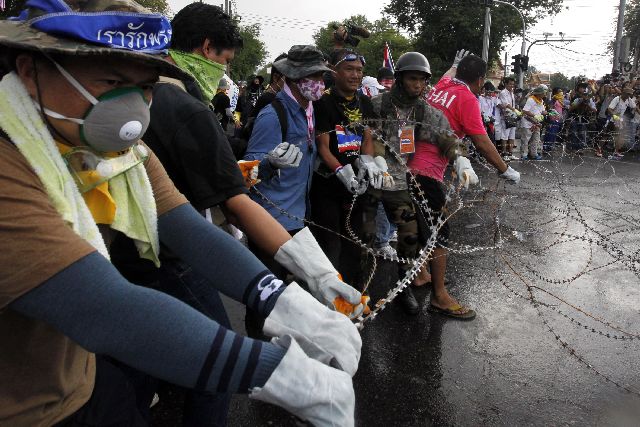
(505, 134)
(435, 195)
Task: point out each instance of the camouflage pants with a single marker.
(399, 208)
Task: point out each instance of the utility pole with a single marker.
(506, 62)
(487, 34)
(616, 55)
(523, 49)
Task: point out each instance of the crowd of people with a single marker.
(601, 116)
(118, 143)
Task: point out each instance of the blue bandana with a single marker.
(140, 32)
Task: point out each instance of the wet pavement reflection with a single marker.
(556, 338)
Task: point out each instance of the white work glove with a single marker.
(352, 182)
(465, 173)
(304, 258)
(308, 389)
(387, 179)
(285, 155)
(459, 55)
(366, 163)
(329, 335)
(511, 175)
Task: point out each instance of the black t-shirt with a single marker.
(220, 104)
(189, 141)
(343, 119)
(187, 138)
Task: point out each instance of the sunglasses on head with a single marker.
(352, 57)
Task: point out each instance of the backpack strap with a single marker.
(282, 117)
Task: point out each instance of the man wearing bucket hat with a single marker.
(533, 115)
(68, 185)
(303, 69)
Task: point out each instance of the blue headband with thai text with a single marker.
(141, 32)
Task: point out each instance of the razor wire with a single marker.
(564, 212)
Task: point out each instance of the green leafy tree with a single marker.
(251, 56)
(632, 30)
(160, 6)
(443, 27)
(371, 48)
(560, 80)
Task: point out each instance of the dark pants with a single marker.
(551, 134)
(435, 195)
(330, 203)
(201, 408)
(113, 402)
(578, 135)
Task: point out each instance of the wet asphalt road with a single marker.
(565, 273)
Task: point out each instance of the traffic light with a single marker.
(524, 63)
(516, 64)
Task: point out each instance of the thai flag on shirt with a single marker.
(347, 141)
(387, 60)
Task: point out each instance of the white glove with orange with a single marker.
(465, 173)
(304, 258)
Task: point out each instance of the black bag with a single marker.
(510, 121)
(629, 112)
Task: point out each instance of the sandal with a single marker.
(454, 311)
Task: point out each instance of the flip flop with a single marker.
(451, 311)
(429, 283)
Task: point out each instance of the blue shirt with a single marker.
(290, 189)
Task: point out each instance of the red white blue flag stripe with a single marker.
(387, 61)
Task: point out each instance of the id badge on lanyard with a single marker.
(407, 139)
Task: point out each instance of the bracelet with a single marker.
(336, 170)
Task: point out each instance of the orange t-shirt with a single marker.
(44, 376)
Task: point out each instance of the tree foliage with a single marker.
(443, 27)
(251, 56)
(632, 30)
(560, 80)
(371, 48)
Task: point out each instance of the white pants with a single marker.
(503, 134)
(531, 139)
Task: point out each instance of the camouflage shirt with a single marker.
(428, 122)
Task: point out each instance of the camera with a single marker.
(347, 32)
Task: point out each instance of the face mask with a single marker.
(114, 122)
(206, 72)
(311, 89)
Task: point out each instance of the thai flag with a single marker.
(347, 141)
(387, 61)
